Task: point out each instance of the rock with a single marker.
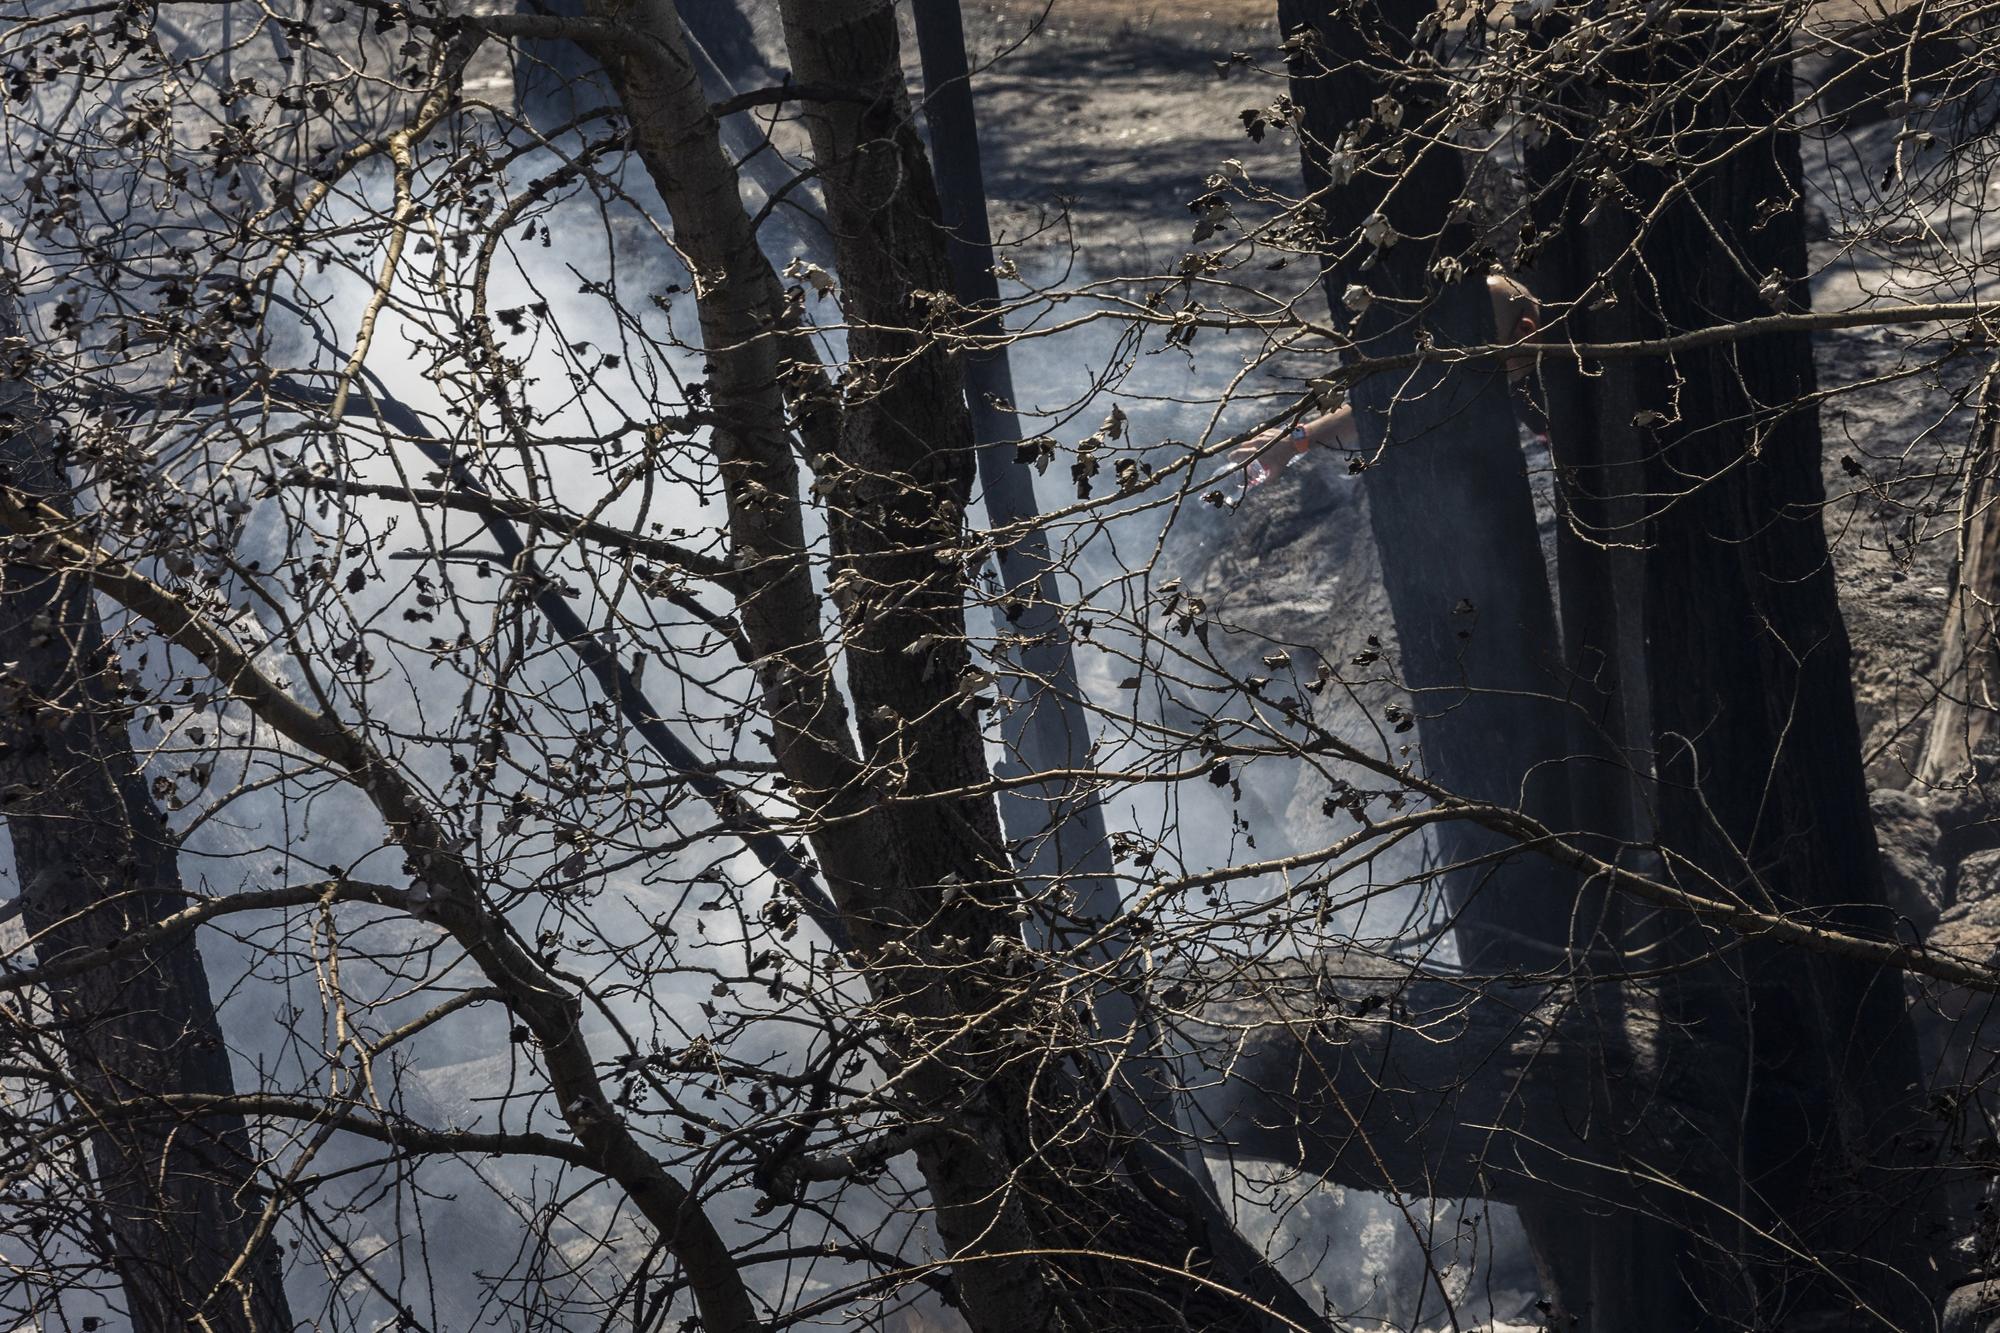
(1970, 927)
(1973, 1309)
(1969, 815)
(1958, 1025)
(1913, 874)
(1978, 878)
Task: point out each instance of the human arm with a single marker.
(1273, 450)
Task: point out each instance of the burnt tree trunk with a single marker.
(1835, 1221)
(1831, 1217)
(900, 483)
(95, 862)
(1057, 828)
(1447, 487)
(1449, 500)
(1046, 1228)
(1637, 1258)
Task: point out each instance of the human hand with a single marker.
(1268, 453)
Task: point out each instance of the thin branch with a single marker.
(185, 920)
(532, 516)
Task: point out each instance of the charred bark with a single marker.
(1057, 829)
(899, 480)
(899, 491)
(1447, 488)
(1040, 1225)
(1636, 1262)
(1760, 793)
(1448, 495)
(178, 1196)
(1751, 709)
(756, 356)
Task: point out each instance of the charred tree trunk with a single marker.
(900, 488)
(1042, 1220)
(1760, 791)
(900, 477)
(1448, 498)
(756, 357)
(1636, 1260)
(1751, 708)
(1057, 829)
(1961, 743)
(95, 862)
(1060, 832)
(1447, 488)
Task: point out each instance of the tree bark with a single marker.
(906, 463)
(1751, 708)
(1760, 791)
(1447, 489)
(900, 479)
(1039, 1229)
(1960, 745)
(754, 351)
(1449, 501)
(1056, 828)
(1636, 1262)
(95, 862)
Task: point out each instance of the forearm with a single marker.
(1334, 430)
